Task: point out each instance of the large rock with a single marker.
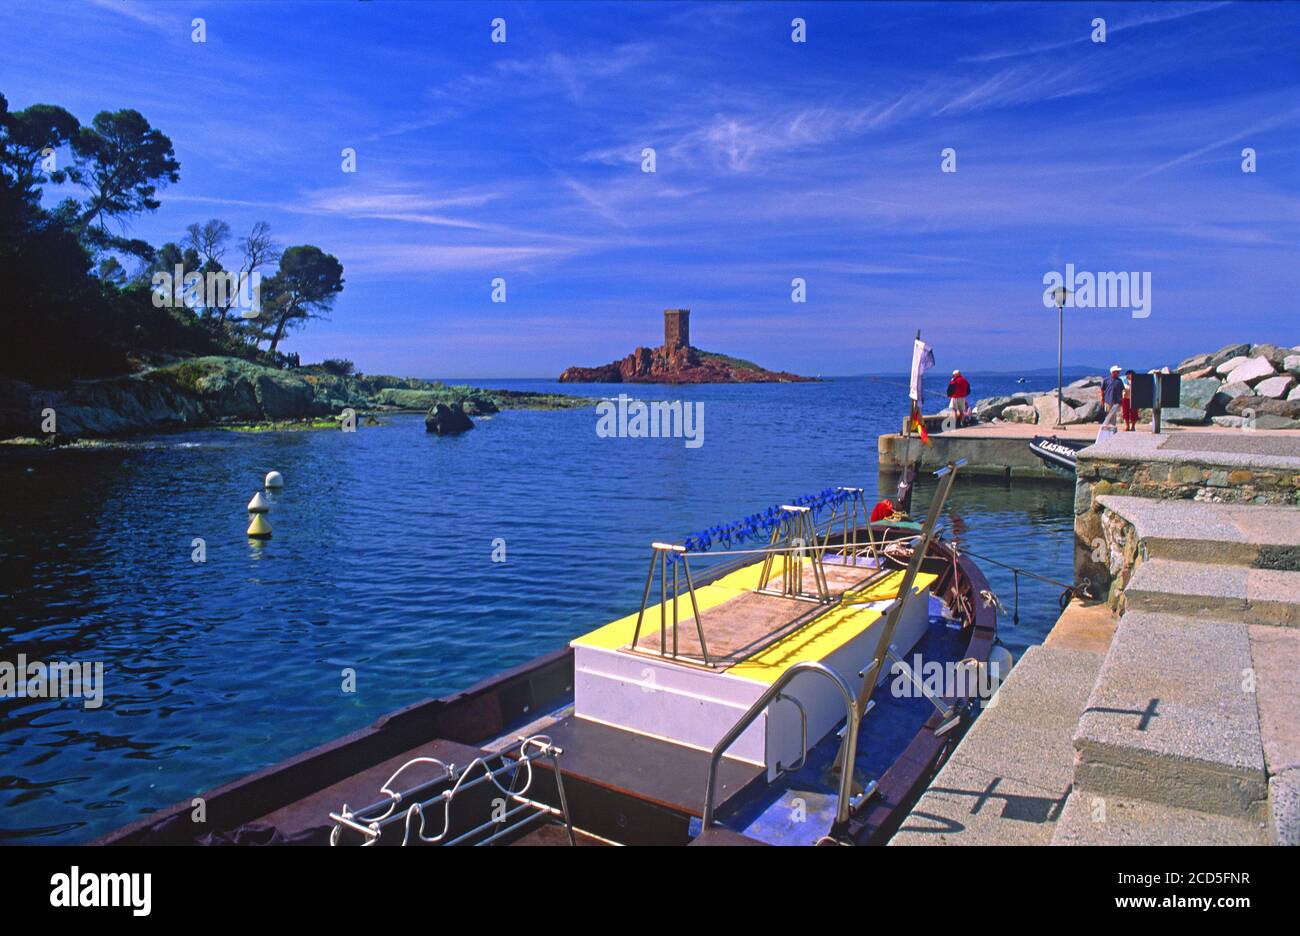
(282, 396)
(1185, 415)
(1090, 411)
(1275, 387)
(1228, 352)
(447, 419)
(1021, 413)
(1084, 383)
(1194, 363)
(1261, 406)
(1270, 352)
(1253, 370)
(991, 408)
(1292, 363)
(1197, 393)
(1224, 368)
(1295, 393)
(229, 393)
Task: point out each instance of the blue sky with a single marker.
(774, 160)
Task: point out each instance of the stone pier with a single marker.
(1167, 711)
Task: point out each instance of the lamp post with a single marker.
(1060, 293)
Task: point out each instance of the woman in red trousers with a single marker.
(1127, 410)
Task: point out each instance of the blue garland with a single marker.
(761, 524)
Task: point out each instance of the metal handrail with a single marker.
(848, 751)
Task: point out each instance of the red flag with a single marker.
(918, 424)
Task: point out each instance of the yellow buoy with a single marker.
(259, 528)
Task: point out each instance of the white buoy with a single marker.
(259, 504)
(274, 479)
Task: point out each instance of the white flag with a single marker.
(922, 361)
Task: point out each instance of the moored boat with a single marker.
(1058, 454)
(783, 695)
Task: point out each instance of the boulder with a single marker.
(1203, 372)
(1253, 370)
(1275, 387)
(1270, 352)
(1194, 363)
(1269, 421)
(229, 394)
(1228, 352)
(1070, 415)
(1197, 392)
(1295, 393)
(447, 419)
(1092, 411)
(1261, 406)
(1226, 367)
(1021, 413)
(281, 396)
(1084, 383)
(1184, 415)
(991, 408)
(1292, 363)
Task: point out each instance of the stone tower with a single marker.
(677, 329)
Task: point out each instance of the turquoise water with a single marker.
(382, 563)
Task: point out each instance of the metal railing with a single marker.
(796, 539)
(371, 822)
(853, 718)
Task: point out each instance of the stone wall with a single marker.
(1106, 551)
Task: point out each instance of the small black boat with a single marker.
(1057, 453)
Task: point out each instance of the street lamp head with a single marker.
(1059, 295)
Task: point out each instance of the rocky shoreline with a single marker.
(1240, 386)
(231, 392)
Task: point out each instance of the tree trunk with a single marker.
(279, 331)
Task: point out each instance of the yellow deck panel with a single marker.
(814, 641)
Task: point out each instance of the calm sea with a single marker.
(382, 563)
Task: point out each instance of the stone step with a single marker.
(1008, 778)
(1258, 536)
(1172, 719)
(1255, 596)
(1093, 819)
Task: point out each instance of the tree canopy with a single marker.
(84, 299)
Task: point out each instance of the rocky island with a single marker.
(676, 362)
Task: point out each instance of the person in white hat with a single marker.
(958, 393)
(1112, 397)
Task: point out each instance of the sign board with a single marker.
(1144, 388)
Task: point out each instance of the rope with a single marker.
(1067, 595)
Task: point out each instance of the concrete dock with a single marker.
(1169, 711)
(994, 450)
